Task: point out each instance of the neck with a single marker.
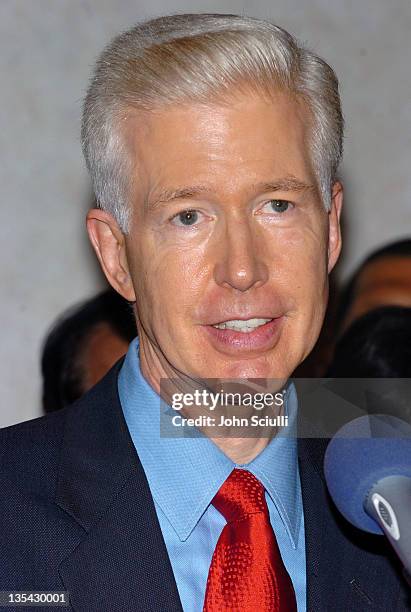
(241, 449)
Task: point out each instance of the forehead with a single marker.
(222, 145)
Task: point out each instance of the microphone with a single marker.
(367, 468)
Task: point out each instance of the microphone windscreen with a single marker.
(360, 454)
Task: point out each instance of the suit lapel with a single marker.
(314, 523)
(121, 562)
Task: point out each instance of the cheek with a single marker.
(314, 287)
(170, 278)
(305, 280)
(304, 259)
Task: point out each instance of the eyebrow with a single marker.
(289, 183)
(183, 193)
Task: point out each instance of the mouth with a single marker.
(242, 326)
(245, 336)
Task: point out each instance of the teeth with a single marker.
(242, 326)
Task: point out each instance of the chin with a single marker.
(256, 367)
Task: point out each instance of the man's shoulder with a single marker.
(32, 449)
(36, 532)
(47, 425)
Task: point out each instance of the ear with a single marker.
(334, 226)
(109, 244)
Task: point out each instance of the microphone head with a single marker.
(360, 454)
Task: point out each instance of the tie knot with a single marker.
(240, 495)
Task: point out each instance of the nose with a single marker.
(240, 264)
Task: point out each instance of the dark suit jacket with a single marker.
(76, 514)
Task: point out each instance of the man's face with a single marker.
(228, 226)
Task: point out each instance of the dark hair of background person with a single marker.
(62, 363)
(376, 345)
(399, 248)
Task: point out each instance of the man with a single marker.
(213, 143)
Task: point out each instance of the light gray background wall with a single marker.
(46, 50)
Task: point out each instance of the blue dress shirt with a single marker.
(184, 474)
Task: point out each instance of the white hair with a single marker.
(201, 57)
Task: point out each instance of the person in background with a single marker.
(383, 279)
(83, 344)
(376, 345)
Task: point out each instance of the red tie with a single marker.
(247, 573)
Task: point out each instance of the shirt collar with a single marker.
(171, 463)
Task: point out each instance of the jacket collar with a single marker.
(147, 418)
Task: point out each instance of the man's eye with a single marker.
(278, 206)
(187, 217)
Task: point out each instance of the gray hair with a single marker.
(196, 57)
